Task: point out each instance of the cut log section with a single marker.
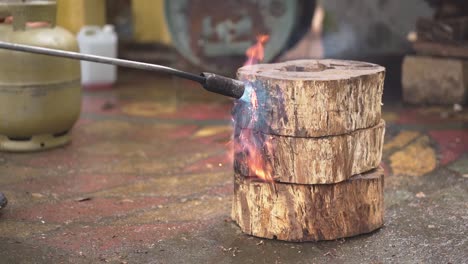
(293, 212)
(310, 98)
(422, 84)
(308, 160)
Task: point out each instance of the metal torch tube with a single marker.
(100, 59)
(211, 82)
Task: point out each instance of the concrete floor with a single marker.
(148, 179)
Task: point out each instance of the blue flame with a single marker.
(247, 96)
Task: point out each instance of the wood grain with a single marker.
(310, 160)
(293, 212)
(311, 98)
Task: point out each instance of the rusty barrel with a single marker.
(214, 35)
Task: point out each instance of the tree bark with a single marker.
(297, 213)
(310, 98)
(309, 160)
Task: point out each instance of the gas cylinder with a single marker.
(40, 96)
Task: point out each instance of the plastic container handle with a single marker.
(89, 32)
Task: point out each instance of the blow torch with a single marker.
(212, 82)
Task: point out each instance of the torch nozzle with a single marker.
(223, 85)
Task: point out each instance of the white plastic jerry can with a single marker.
(103, 42)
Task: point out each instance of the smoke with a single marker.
(340, 42)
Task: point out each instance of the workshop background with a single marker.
(145, 175)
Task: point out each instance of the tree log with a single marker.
(423, 84)
(310, 98)
(309, 160)
(298, 213)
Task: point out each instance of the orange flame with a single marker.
(255, 147)
(256, 156)
(256, 53)
(248, 140)
(251, 144)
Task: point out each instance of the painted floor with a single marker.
(148, 179)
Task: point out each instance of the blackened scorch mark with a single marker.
(270, 101)
(277, 102)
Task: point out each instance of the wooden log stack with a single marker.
(308, 143)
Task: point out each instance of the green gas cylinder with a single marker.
(40, 96)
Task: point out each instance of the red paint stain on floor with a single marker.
(451, 143)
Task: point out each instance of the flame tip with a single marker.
(255, 148)
(256, 53)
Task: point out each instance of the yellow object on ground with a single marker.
(416, 159)
(149, 22)
(73, 15)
